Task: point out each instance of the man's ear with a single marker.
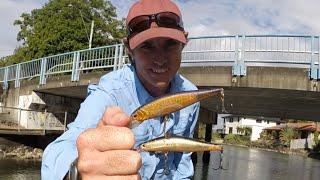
(127, 49)
(186, 34)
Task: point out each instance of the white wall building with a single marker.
(257, 124)
(219, 127)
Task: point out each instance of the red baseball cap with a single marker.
(150, 7)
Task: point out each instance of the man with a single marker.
(99, 138)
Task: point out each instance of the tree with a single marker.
(63, 26)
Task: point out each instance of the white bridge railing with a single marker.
(238, 51)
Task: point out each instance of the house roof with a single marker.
(298, 126)
(310, 128)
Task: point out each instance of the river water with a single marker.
(239, 163)
(11, 169)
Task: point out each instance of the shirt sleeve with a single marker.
(183, 161)
(59, 154)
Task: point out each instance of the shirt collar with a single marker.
(143, 95)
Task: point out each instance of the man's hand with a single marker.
(105, 151)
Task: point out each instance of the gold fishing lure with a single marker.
(172, 103)
(178, 144)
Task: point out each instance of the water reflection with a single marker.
(241, 164)
(252, 164)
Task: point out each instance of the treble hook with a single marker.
(166, 168)
(165, 120)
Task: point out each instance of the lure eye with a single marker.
(135, 115)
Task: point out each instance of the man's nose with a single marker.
(160, 59)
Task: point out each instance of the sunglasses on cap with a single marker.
(163, 19)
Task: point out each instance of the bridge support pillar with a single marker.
(194, 155)
(206, 154)
(209, 118)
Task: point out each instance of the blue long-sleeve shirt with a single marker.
(122, 88)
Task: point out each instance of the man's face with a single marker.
(157, 61)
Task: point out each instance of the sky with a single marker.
(201, 17)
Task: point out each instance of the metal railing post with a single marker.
(313, 68)
(19, 120)
(116, 59)
(43, 71)
(120, 62)
(235, 67)
(65, 121)
(17, 80)
(243, 68)
(75, 66)
(5, 79)
(318, 58)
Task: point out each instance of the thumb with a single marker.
(114, 116)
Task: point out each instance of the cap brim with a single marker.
(156, 32)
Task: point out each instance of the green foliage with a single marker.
(216, 136)
(244, 130)
(316, 138)
(231, 138)
(237, 139)
(275, 135)
(63, 26)
(264, 135)
(201, 130)
(287, 134)
(240, 130)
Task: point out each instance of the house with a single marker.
(233, 123)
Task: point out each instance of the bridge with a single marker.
(263, 75)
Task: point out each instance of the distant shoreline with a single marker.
(20, 152)
(301, 152)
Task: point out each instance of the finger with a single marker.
(109, 112)
(106, 138)
(111, 163)
(105, 177)
(114, 116)
(119, 119)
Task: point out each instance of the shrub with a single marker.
(316, 138)
(237, 139)
(286, 135)
(216, 136)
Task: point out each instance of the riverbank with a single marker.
(298, 152)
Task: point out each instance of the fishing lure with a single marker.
(172, 103)
(178, 144)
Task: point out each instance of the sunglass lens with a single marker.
(168, 20)
(139, 24)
